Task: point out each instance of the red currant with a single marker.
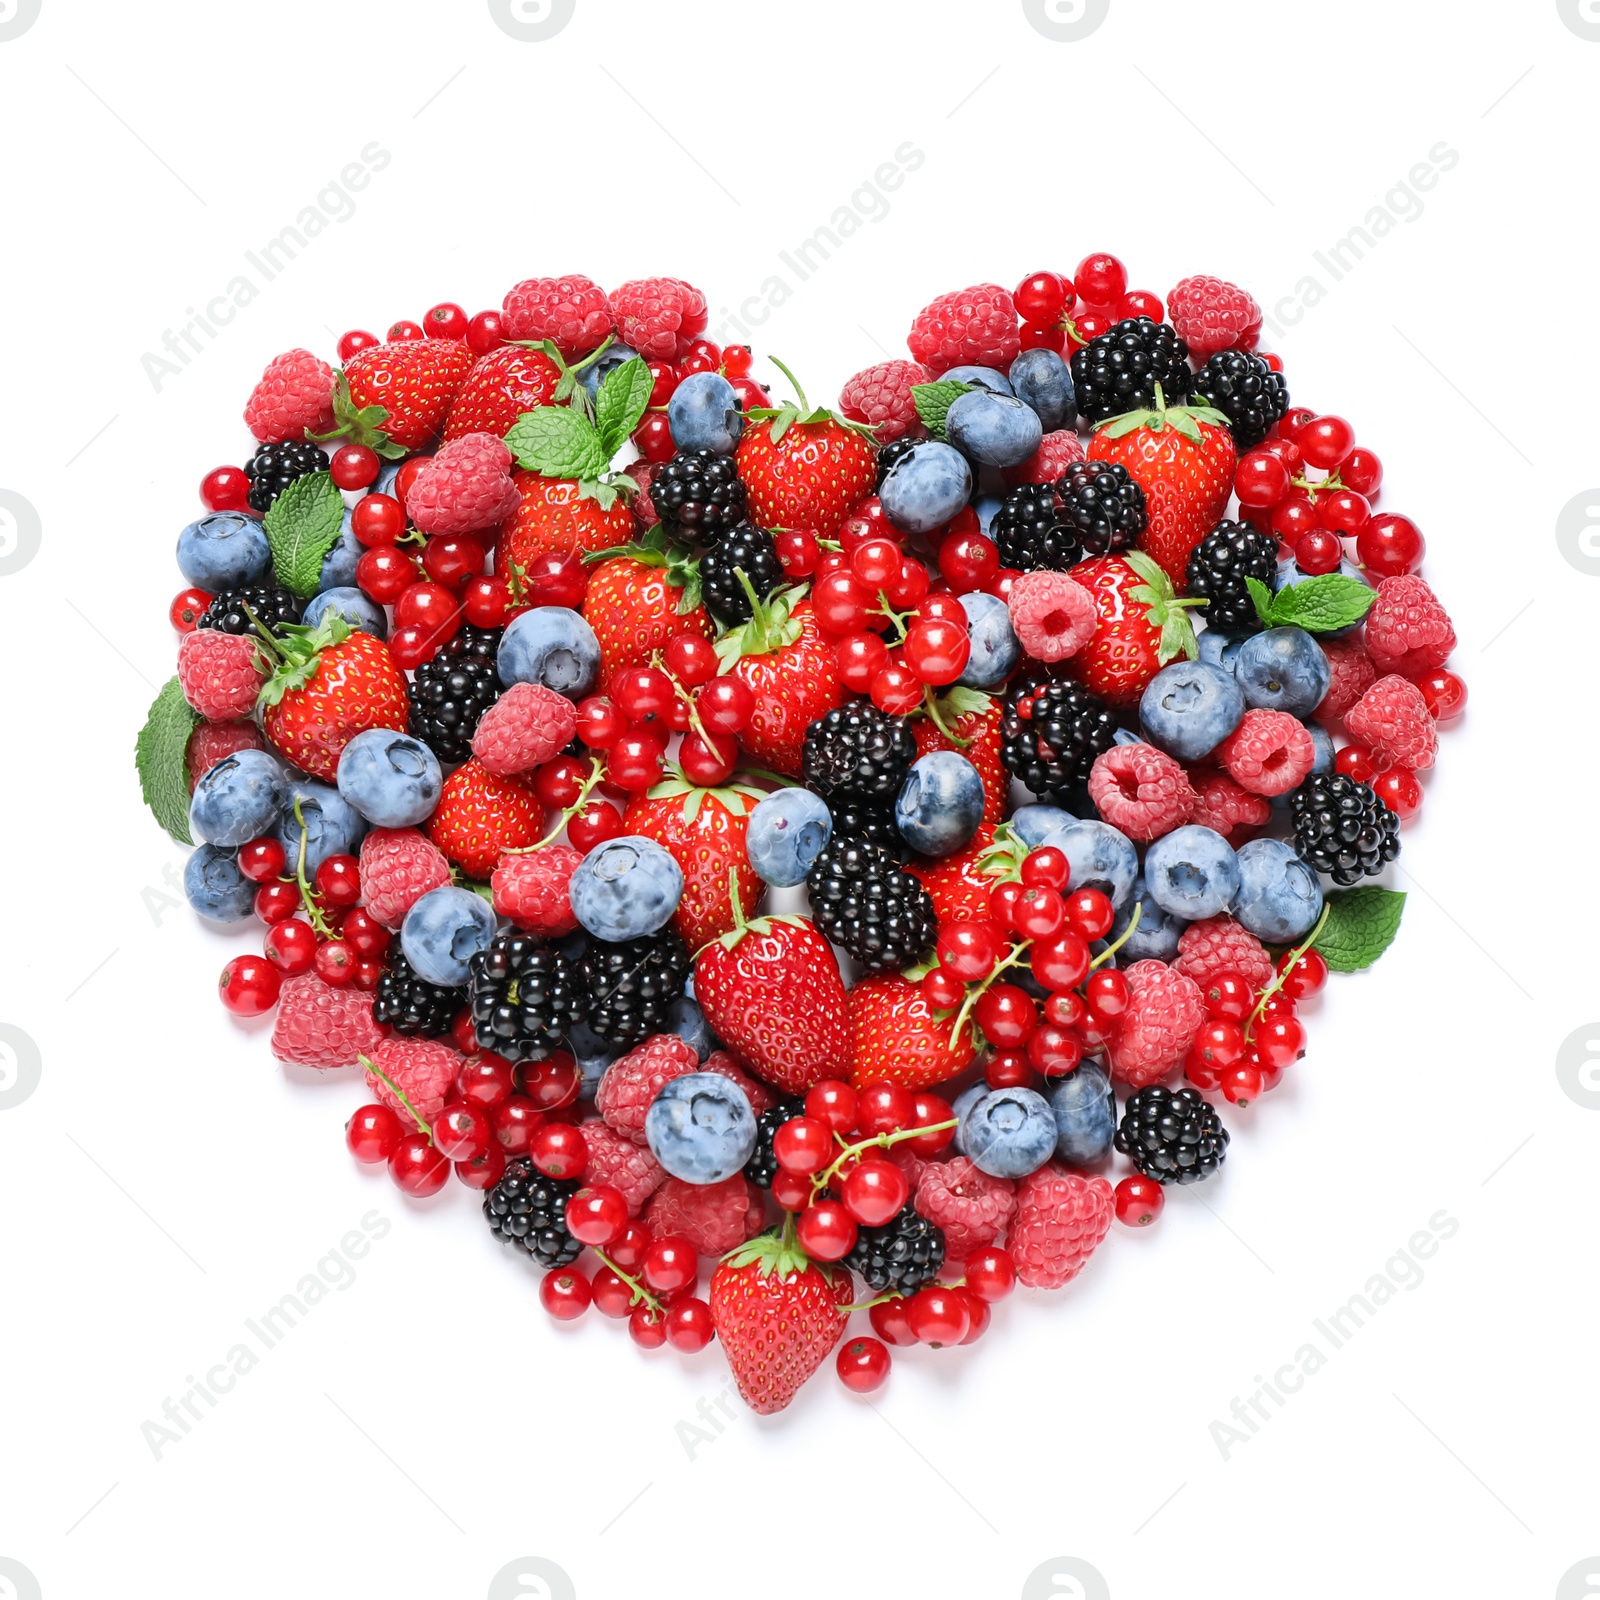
(883, 1108)
(261, 860)
(1444, 694)
(1140, 303)
(834, 1103)
(338, 880)
(417, 1168)
(669, 1264)
(1006, 1014)
(890, 1322)
(1101, 281)
(565, 1293)
(653, 437)
(354, 342)
(372, 1133)
(874, 1192)
(1045, 868)
(596, 1214)
(1305, 976)
(826, 1230)
(1399, 790)
(860, 657)
(969, 950)
(445, 321)
(862, 1364)
(1362, 471)
(1107, 995)
(1090, 913)
(1325, 441)
(1318, 551)
(1260, 479)
(291, 947)
(688, 1325)
(187, 609)
(249, 985)
(1355, 761)
(403, 330)
(1042, 296)
(378, 519)
(896, 689)
(354, 466)
(517, 1121)
(277, 902)
(803, 1145)
(225, 489)
(938, 1315)
(485, 333)
(598, 821)
(725, 705)
(1137, 1201)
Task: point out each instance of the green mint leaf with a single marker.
(1322, 604)
(933, 401)
(160, 752)
(302, 525)
(624, 395)
(557, 442)
(1361, 925)
(1263, 597)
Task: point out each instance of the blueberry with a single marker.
(1034, 824)
(1008, 1133)
(701, 1128)
(551, 645)
(995, 650)
(984, 508)
(592, 1054)
(1100, 857)
(787, 833)
(1189, 708)
(226, 550)
(688, 1021)
(216, 888)
(1279, 896)
(1042, 380)
(1085, 1114)
(925, 487)
(384, 482)
(1283, 669)
(614, 356)
(1156, 937)
(1290, 572)
(996, 429)
(626, 888)
(1219, 649)
(352, 605)
(443, 931)
(1192, 872)
(333, 826)
(392, 779)
(990, 378)
(238, 799)
(940, 804)
(703, 414)
(963, 1103)
(339, 564)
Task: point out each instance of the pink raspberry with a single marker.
(1057, 451)
(465, 488)
(424, 1071)
(642, 506)
(398, 867)
(632, 1081)
(523, 729)
(1221, 805)
(1052, 616)
(212, 741)
(880, 396)
(1211, 314)
(1268, 753)
(1061, 1217)
(1141, 791)
(293, 398)
(221, 673)
(1164, 1014)
(969, 327)
(726, 1064)
(1391, 719)
(1352, 675)
(971, 1207)
(572, 312)
(659, 317)
(532, 890)
(1408, 631)
(713, 1217)
(321, 1026)
(911, 1165)
(628, 1168)
(1219, 944)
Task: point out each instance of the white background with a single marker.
(428, 1425)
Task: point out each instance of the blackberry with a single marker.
(862, 900)
(698, 493)
(743, 548)
(1342, 828)
(272, 606)
(1119, 371)
(901, 1256)
(1102, 504)
(410, 1004)
(1247, 391)
(524, 996)
(631, 985)
(1050, 734)
(529, 1210)
(1032, 531)
(1172, 1135)
(868, 817)
(275, 466)
(1218, 566)
(451, 692)
(859, 748)
(763, 1165)
(896, 450)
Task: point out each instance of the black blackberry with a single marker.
(272, 606)
(275, 466)
(1050, 734)
(1119, 371)
(529, 1210)
(524, 995)
(1218, 566)
(1342, 828)
(632, 985)
(698, 493)
(859, 748)
(867, 817)
(1102, 504)
(742, 548)
(895, 450)
(862, 900)
(763, 1165)
(410, 1004)
(1032, 531)
(1172, 1135)
(450, 693)
(901, 1256)
(1247, 391)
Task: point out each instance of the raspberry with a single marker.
(880, 397)
(632, 1081)
(293, 398)
(1052, 615)
(523, 729)
(659, 317)
(1268, 753)
(971, 1207)
(642, 506)
(1391, 719)
(1211, 314)
(1057, 451)
(532, 890)
(1221, 805)
(713, 1217)
(1219, 944)
(1164, 1014)
(424, 1070)
(726, 1065)
(630, 1169)
(976, 326)
(321, 1026)
(399, 866)
(211, 741)
(1353, 675)
(1408, 631)
(1060, 1218)
(572, 312)
(465, 488)
(221, 673)
(1140, 790)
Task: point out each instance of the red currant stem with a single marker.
(411, 536)
(867, 1305)
(399, 1093)
(516, 576)
(898, 618)
(1322, 486)
(930, 704)
(596, 772)
(1126, 934)
(975, 992)
(319, 922)
(829, 544)
(1284, 969)
(695, 724)
(640, 1293)
(879, 1141)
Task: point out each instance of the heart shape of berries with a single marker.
(535, 662)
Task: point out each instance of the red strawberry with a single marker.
(974, 720)
(395, 397)
(555, 517)
(499, 388)
(1143, 626)
(648, 593)
(479, 816)
(895, 1037)
(958, 884)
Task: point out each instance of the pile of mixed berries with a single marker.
(758, 840)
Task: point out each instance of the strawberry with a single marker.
(330, 684)
(499, 388)
(641, 596)
(778, 1315)
(960, 884)
(1143, 626)
(968, 721)
(557, 517)
(395, 397)
(895, 1037)
(480, 816)
(1183, 458)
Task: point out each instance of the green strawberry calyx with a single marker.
(943, 710)
(570, 390)
(1185, 420)
(358, 424)
(777, 1252)
(743, 926)
(297, 650)
(782, 418)
(773, 624)
(1003, 857)
(655, 549)
(1164, 609)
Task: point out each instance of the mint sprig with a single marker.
(933, 402)
(302, 525)
(624, 396)
(560, 441)
(1319, 605)
(160, 755)
(1360, 925)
